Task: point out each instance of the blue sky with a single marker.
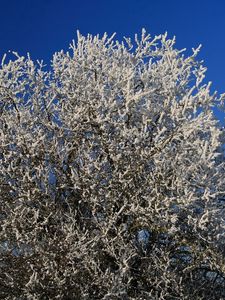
(42, 27)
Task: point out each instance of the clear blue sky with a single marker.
(42, 27)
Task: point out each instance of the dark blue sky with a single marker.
(42, 27)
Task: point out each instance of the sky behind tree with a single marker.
(45, 26)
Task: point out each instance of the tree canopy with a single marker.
(111, 174)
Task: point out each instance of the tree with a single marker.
(112, 174)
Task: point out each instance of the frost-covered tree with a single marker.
(111, 174)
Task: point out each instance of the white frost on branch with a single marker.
(111, 174)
